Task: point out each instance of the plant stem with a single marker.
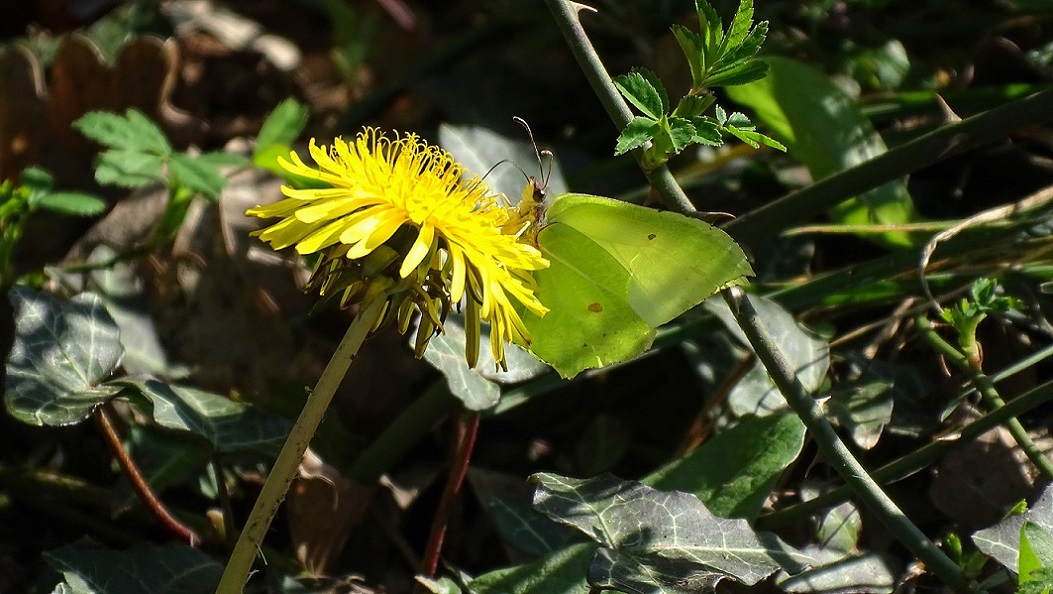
(661, 179)
(914, 461)
(834, 450)
(229, 531)
(464, 442)
(285, 466)
(139, 484)
(984, 385)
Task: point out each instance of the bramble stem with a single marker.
(139, 484)
(285, 466)
(970, 364)
(464, 442)
(915, 460)
(835, 452)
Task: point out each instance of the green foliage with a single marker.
(171, 568)
(137, 153)
(716, 59)
(35, 193)
(281, 128)
(985, 296)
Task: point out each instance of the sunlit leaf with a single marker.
(562, 572)
(131, 132)
(734, 472)
(62, 354)
(662, 541)
(197, 174)
(1002, 541)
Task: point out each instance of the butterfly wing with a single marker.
(590, 324)
(674, 261)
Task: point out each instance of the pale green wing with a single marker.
(590, 323)
(675, 262)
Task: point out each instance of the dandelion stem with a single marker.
(834, 450)
(984, 385)
(285, 466)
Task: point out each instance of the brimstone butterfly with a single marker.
(618, 271)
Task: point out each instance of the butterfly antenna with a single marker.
(537, 152)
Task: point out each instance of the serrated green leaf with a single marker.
(128, 168)
(734, 472)
(561, 572)
(711, 29)
(740, 121)
(691, 106)
(145, 568)
(680, 131)
(739, 74)
(132, 132)
(739, 28)
(638, 90)
(692, 45)
(749, 46)
(656, 84)
(72, 203)
(230, 427)
(658, 541)
(745, 136)
(197, 174)
(62, 354)
(707, 132)
(282, 127)
(639, 131)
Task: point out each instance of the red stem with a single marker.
(142, 489)
(467, 429)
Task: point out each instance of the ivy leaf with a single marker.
(1036, 551)
(62, 353)
(146, 568)
(197, 174)
(561, 572)
(230, 427)
(72, 203)
(127, 168)
(733, 473)
(131, 132)
(638, 132)
(640, 90)
(655, 541)
(1002, 541)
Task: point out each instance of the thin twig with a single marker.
(139, 484)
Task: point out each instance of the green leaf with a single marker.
(738, 74)
(145, 568)
(72, 203)
(1036, 550)
(281, 128)
(862, 402)
(62, 354)
(740, 26)
(38, 181)
(443, 585)
(707, 132)
(711, 29)
(526, 529)
(222, 159)
(639, 89)
(681, 131)
(733, 473)
(164, 458)
(561, 572)
(639, 131)
(824, 129)
(477, 387)
(834, 572)
(128, 168)
(658, 541)
(1002, 541)
(199, 175)
(693, 47)
(230, 427)
(133, 132)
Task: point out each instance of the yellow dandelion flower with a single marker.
(400, 210)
